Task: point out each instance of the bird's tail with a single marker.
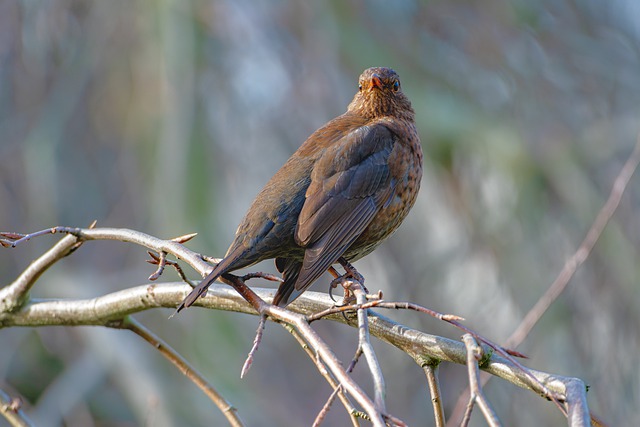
(287, 292)
(227, 264)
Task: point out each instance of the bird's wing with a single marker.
(349, 184)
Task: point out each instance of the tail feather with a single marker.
(227, 264)
(287, 292)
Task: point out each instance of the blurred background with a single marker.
(168, 117)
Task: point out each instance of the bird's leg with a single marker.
(343, 279)
(352, 272)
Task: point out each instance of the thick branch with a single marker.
(419, 345)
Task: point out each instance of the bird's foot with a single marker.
(347, 281)
(352, 273)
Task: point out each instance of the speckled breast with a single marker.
(406, 169)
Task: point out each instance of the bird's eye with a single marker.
(396, 86)
(360, 86)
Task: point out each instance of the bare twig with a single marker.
(17, 238)
(230, 412)
(431, 372)
(393, 421)
(160, 261)
(254, 348)
(507, 353)
(338, 391)
(474, 354)
(156, 260)
(266, 276)
(382, 304)
(364, 342)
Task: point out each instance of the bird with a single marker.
(345, 190)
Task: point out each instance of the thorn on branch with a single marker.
(184, 238)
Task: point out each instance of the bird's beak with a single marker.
(376, 82)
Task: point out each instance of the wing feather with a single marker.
(348, 185)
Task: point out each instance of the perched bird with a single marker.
(346, 189)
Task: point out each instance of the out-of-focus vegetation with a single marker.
(168, 117)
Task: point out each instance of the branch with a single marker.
(431, 371)
(423, 348)
(107, 308)
(419, 345)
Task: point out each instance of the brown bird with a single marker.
(345, 190)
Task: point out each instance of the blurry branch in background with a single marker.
(579, 257)
(181, 363)
(568, 270)
(114, 310)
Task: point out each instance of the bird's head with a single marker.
(380, 94)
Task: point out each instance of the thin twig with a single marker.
(364, 342)
(382, 304)
(261, 275)
(507, 353)
(474, 354)
(468, 409)
(431, 372)
(254, 348)
(18, 238)
(393, 421)
(160, 261)
(155, 260)
(228, 410)
(323, 351)
(338, 391)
